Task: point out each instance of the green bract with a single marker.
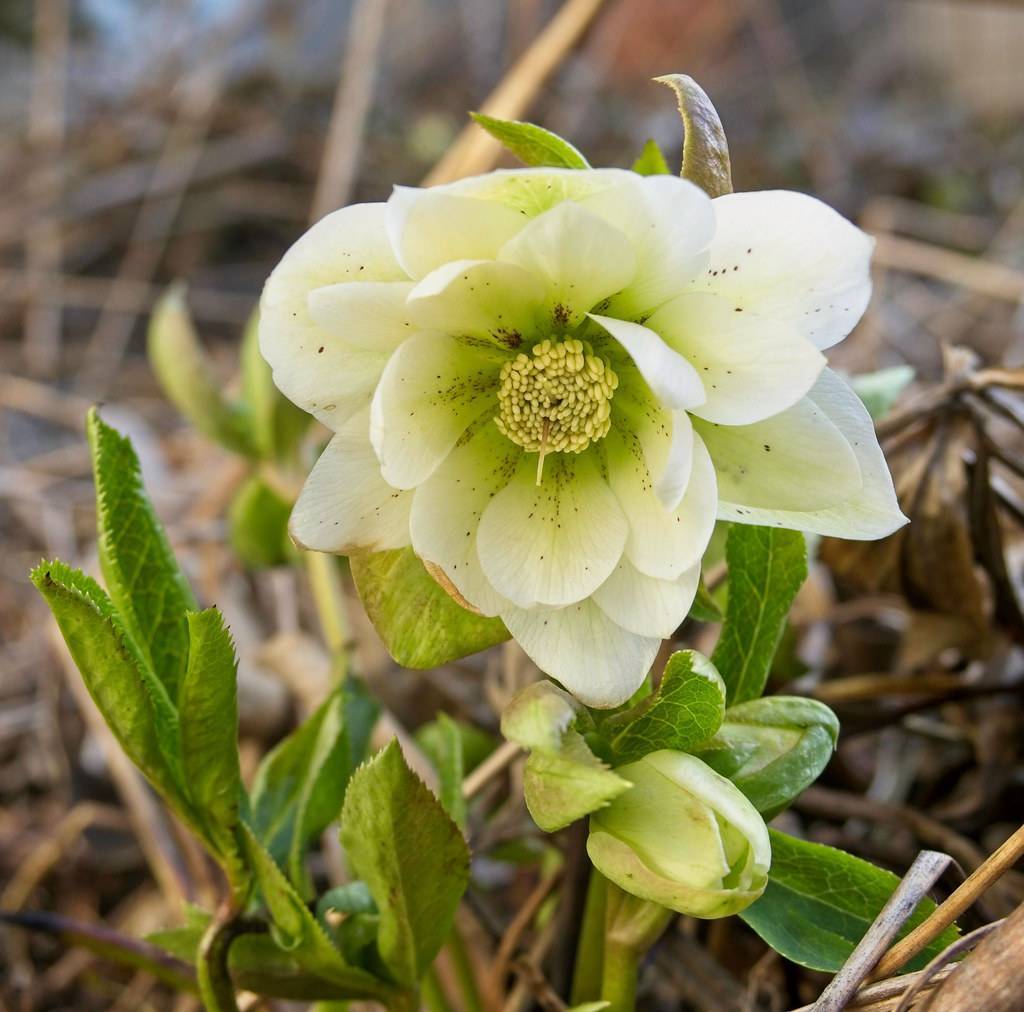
(683, 837)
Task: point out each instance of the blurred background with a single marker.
(147, 142)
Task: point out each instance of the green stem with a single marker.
(586, 977)
(433, 994)
(328, 597)
(215, 985)
(632, 926)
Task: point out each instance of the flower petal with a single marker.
(599, 662)
(675, 475)
(345, 505)
(580, 258)
(370, 315)
(432, 389)
(535, 190)
(447, 507)
(661, 543)
(674, 381)
(869, 513)
(313, 367)
(751, 366)
(790, 258)
(429, 228)
(670, 223)
(796, 460)
(644, 604)
(485, 300)
(556, 542)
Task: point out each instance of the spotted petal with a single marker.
(597, 660)
(796, 460)
(371, 315)
(670, 223)
(556, 542)
(792, 259)
(580, 258)
(447, 507)
(751, 366)
(871, 511)
(432, 389)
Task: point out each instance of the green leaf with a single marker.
(531, 144)
(300, 785)
(146, 584)
(766, 568)
(704, 607)
(538, 716)
(563, 786)
(651, 161)
(820, 901)
(475, 743)
(208, 718)
(686, 710)
(880, 390)
(258, 525)
(188, 379)
(445, 752)
(420, 624)
(132, 700)
(355, 932)
(276, 424)
(705, 149)
(297, 931)
(773, 748)
(401, 842)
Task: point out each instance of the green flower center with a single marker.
(556, 399)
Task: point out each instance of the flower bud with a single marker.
(683, 837)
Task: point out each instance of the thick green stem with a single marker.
(328, 597)
(632, 926)
(586, 978)
(464, 972)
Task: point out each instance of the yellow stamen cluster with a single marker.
(556, 399)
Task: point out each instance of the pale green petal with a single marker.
(556, 542)
(345, 505)
(661, 543)
(644, 604)
(672, 378)
(797, 460)
(580, 258)
(670, 223)
(792, 259)
(599, 662)
(447, 507)
(751, 366)
(370, 315)
(484, 300)
(533, 191)
(320, 372)
(430, 392)
(871, 511)
(429, 228)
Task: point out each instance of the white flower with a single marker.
(551, 382)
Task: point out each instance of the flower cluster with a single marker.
(551, 383)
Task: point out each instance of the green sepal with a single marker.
(421, 625)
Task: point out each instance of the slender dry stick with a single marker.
(351, 105)
(959, 900)
(46, 136)
(923, 874)
(490, 767)
(474, 150)
(877, 996)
